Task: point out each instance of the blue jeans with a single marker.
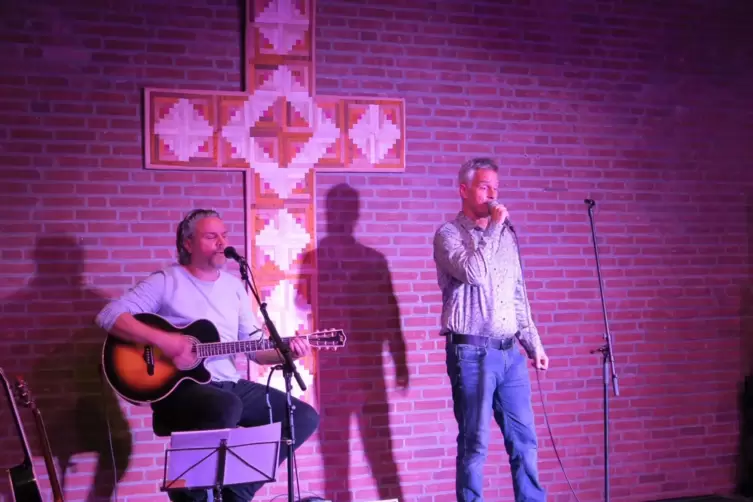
(486, 380)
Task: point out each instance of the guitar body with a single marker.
(125, 364)
(141, 374)
(24, 485)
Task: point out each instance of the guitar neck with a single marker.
(232, 348)
(17, 419)
(57, 491)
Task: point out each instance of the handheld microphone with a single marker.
(231, 253)
(494, 203)
(590, 202)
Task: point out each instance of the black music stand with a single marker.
(213, 459)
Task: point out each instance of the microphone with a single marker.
(590, 202)
(494, 203)
(231, 253)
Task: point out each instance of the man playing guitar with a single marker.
(196, 288)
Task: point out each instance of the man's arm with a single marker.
(469, 267)
(249, 326)
(529, 334)
(117, 316)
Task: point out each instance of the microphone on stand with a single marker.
(287, 365)
(232, 254)
(494, 203)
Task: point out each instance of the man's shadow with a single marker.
(355, 294)
(56, 348)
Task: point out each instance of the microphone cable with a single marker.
(529, 320)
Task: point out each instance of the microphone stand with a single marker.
(607, 355)
(288, 370)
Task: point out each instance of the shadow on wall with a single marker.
(56, 347)
(355, 293)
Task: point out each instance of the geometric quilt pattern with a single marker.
(279, 133)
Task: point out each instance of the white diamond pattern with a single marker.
(237, 132)
(282, 24)
(374, 134)
(183, 130)
(282, 84)
(286, 313)
(282, 180)
(238, 129)
(325, 135)
(283, 239)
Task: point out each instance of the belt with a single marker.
(481, 341)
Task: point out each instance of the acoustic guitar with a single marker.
(141, 374)
(23, 395)
(23, 478)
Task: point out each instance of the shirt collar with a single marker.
(467, 223)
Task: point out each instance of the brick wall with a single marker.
(645, 109)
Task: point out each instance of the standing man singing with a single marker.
(485, 309)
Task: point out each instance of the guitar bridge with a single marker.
(149, 360)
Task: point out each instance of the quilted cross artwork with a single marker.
(278, 133)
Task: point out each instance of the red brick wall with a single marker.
(645, 109)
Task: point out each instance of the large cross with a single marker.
(278, 132)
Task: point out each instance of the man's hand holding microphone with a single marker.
(498, 213)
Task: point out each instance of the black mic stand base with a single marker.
(605, 356)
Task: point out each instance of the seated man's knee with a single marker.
(306, 421)
(226, 412)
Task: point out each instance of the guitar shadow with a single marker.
(54, 345)
(355, 293)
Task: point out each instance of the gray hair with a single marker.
(186, 229)
(468, 170)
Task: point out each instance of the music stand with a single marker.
(222, 457)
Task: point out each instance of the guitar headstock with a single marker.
(328, 339)
(23, 394)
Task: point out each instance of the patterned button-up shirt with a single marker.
(482, 284)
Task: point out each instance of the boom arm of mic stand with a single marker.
(607, 349)
(284, 349)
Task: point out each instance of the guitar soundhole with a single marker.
(196, 360)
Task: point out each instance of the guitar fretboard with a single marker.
(232, 348)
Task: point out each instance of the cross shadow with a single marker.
(54, 345)
(355, 293)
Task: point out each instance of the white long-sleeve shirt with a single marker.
(180, 298)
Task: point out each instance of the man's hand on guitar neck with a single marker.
(299, 347)
(179, 349)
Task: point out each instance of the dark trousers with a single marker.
(221, 405)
